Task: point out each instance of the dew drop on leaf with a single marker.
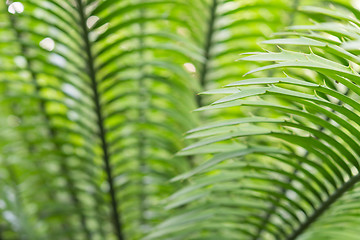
(91, 21)
(16, 7)
(190, 67)
(47, 44)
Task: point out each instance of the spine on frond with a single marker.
(116, 217)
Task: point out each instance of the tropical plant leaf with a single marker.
(95, 98)
(102, 81)
(302, 167)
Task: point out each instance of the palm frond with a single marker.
(96, 96)
(98, 87)
(289, 168)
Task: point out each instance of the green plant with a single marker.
(96, 96)
(291, 168)
(94, 103)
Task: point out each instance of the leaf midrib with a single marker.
(52, 133)
(324, 206)
(116, 217)
(207, 49)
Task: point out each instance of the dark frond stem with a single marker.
(52, 135)
(324, 206)
(274, 207)
(116, 218)
(207, 50)
(283, 191)
(204, 68)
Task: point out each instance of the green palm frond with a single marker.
(228, 28)
(95, 98)
(289, 169)
(102, 101)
